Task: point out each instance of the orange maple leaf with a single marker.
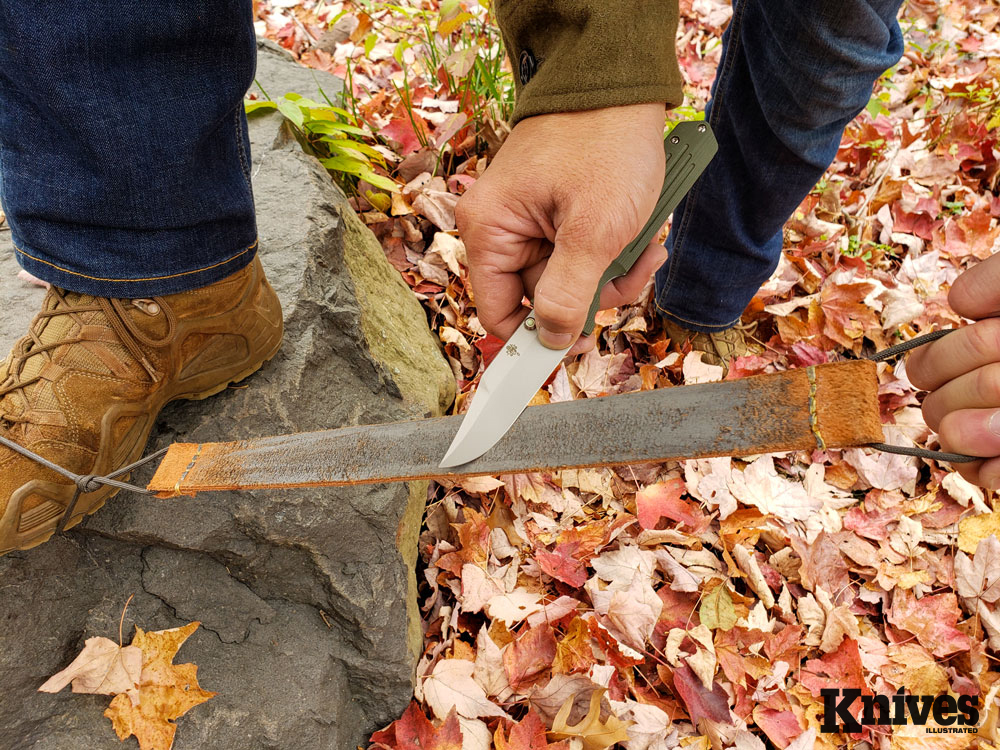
(166, 690)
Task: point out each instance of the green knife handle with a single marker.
(689, 147)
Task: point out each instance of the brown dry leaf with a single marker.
(102, 667)
(595, 734)
(574, 652)
(167, 691)
(840, 624)
(912, 666)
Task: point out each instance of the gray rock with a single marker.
(277, 75)
(307, 597)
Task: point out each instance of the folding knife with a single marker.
(523, 365)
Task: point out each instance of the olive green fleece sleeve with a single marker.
(570, 55)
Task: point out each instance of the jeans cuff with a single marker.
(96, 285)
(692, 325)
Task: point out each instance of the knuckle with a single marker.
(987, 384)
(955, 432)
(931, 416)
(984, 338)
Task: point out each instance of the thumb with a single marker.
(566, 288)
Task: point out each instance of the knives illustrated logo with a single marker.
(511, 350)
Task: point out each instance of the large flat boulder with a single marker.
(307, 597)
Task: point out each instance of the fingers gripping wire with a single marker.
(891, 353)
(85, 482)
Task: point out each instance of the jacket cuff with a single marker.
(571, 55)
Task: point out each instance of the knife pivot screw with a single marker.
(529, 323)
(701, 128)
(675, 139)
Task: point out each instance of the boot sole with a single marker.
(100, 500)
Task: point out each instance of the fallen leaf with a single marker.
(972, 530)
(701, 703)
(594, 733)
(913, 667)
(101, 667)
(531, 654)
(840, 624)
(414, 731)
(574, 652)
(450, 687)
(978, 578)
(665, 500)
(550, 698)
(513, 607)
(631, 613)
(527, 734)
(717, 611)
(760, 485)
(562, 565)
(932, 619)
(167, 691)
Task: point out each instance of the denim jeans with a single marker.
(793, 74)
(123, 144)
(124, 155)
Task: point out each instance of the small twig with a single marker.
(121, 622)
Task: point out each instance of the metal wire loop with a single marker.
(88, 482)
(891, 353)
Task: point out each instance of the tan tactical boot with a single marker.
(85, 385)
(718, 347)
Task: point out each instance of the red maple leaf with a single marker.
(663, 500)
(414, 731)
(530, 655)
(401, 130)
(932, 619)
(781, 727)
(489, 346)
(562, 565)
(527, 734)
(701, 703)
(838, 669)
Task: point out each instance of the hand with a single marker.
(563, 196)
(962, 371)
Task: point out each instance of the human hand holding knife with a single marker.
(524, 363)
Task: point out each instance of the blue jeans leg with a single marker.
(791, 77)
(124, 156)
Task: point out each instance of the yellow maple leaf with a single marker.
(166, 690)
(972, 530)
(911, 737)
(595, 734)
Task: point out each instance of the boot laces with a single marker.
(71, 303)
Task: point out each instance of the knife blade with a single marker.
(523, 365)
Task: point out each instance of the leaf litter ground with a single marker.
(704, 603)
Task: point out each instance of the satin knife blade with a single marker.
(523, 365)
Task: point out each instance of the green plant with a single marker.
(460, 50)
(333, 135)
